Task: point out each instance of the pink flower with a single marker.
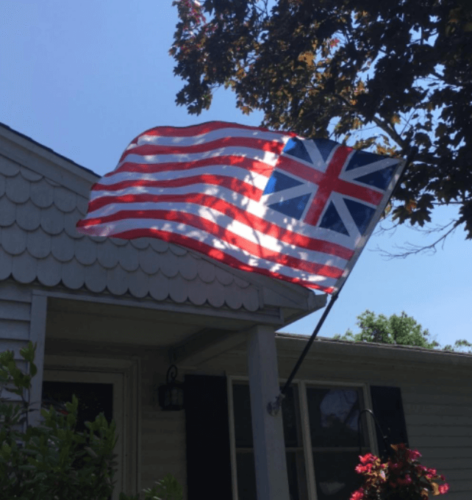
(413, 454)
(367, 458)
(443, 488)
(431, 473)
(358, 495)
(361, 469)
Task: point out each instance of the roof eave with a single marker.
(381, 352)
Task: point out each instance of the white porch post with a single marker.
(269, 446)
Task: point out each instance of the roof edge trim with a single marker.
(48, 160)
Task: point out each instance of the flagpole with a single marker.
(273, 407)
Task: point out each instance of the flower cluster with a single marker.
(401, 477)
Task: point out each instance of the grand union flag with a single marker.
(270, 202)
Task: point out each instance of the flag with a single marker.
(270, 202)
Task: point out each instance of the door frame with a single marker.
(123, 373)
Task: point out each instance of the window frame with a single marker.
(302, 385)
(124, 374)
(117, 382)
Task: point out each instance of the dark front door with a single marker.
(93, 399)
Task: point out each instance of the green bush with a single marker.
(53, 461)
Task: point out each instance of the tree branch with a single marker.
(391, 132)
(411, 249)
(381, 124)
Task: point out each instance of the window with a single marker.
(335, 439)
(322, 440)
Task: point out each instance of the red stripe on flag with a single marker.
(259, 224)
(242, 142)
(215, 254)
(249, 164)
(223, 234)
(202, 128)
(231, 183)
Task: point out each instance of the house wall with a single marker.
(23, 319)
(437, 397)
(435, 389)
(15, 321)
(15, 316)
(161, 434)
(437, 403)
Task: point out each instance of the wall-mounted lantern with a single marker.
(171, 395)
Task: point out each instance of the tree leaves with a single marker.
(401, 330)
(400, 72)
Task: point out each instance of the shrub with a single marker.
(53, 461)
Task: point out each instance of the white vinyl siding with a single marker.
(439, 421)
(15, 321)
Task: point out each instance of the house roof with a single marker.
(45, 148)
(326, 346)
(44, 194)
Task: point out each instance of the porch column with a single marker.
(269, 446)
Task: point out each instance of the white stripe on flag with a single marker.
(228, 223)
(234, 172)
(113, 228)
(242, 202)
(235, 151)
(222, 133)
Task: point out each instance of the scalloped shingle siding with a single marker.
(38, 242)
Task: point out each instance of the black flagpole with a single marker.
(274, 407)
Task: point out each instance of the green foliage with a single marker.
(53, 460)
(397, 72)
(166, 489)
(400, 330)
(460, 346)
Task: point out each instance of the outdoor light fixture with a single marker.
(171, 395)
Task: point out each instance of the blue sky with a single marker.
(84, 78)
